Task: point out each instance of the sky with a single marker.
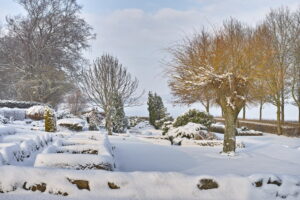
(138, 32)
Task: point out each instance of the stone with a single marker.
(207, 184)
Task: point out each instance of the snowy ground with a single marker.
(148, 167)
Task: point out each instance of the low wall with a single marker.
(288, 130)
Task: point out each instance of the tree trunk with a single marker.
(260, 110)
(108, 122)
(299, 114)
(244, 112)
(282, 105)
(207, 106)
(229, 144)
(279, 128)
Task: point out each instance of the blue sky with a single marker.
(139, 31)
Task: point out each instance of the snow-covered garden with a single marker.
(142, 163)
(74, 125)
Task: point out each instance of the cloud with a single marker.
(138, 38)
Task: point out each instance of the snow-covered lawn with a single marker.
(145, 166)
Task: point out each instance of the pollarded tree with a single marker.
(106, 78)
(200, 45)
(228, 67)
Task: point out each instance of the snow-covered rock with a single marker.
(36, 112)
(75, 124)
(74, 161)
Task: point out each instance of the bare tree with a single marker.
(229, 70)
(279, 24)
(50, 35)
(105, 80)
(295, 66)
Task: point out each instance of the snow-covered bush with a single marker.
(13, 113)
(63, 113)
(50, 120)
(194, 116)
(36, 112)
(160, 123)
(75, 124)
(191, 131)
(166, 127)
(93, 120)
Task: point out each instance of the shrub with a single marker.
(159, 123)
(194, 116)
(166, 127)
(50, 120)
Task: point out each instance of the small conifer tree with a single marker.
(50, 120)
(156, 108)
(119, 119)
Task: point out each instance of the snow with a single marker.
(146, 167)
(7, 130)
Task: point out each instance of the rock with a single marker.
(74, 124)
(207, 184)
(277, 181)
(40, 187)
(258, 183)
(112, 186)
(81, 184)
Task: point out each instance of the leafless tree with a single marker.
(50, 37)
(279, 23)
(105, 80)
(295, 66)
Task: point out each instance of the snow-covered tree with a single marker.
(118, 118)
(41, 51)
(106, 78)
(226, 63)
